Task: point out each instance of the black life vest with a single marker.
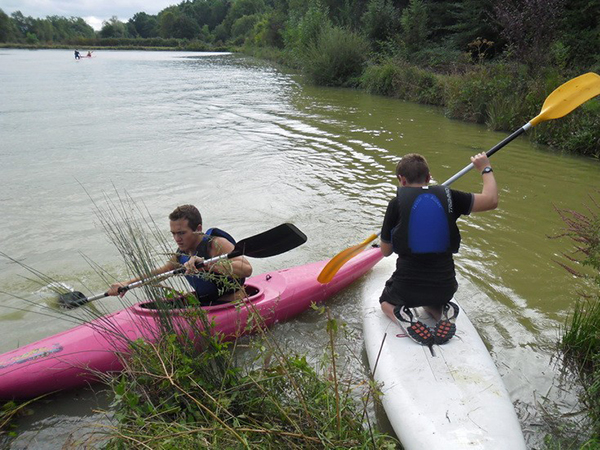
(426, 222)
(209, 289)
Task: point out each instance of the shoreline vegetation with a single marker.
(479, 61)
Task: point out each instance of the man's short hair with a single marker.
(188, 212)
(414, 168)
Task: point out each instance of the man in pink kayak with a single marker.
(420, 226)
(217, 282)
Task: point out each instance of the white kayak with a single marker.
(448, 397)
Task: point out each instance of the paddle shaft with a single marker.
(163, 276)
(272, 242)
(489, 153)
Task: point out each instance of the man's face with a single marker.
(186, 238)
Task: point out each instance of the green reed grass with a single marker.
(195, 390)
(580, 341)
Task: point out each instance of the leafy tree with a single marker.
(241, 8)
(7, 29)
(269, 31)
(460, 23)
(22, 24)
(185, 28)
(44, 31)
(381, 21)
(145, 25)
(311, 27)
(242, 28)
(113, 28)
(218, 12)
(166, 22)
(579, 32)
(31, 38)
(414, 25)
(221, 33)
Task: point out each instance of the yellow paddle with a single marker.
(342, 258)
(559, 103)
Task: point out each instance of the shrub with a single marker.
(337, 59)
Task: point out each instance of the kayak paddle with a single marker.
(342, 258)
(563, 100)
(272, 242)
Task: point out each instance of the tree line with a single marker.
(560, 32)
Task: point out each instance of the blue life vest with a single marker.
(426, 222)
(209, 287)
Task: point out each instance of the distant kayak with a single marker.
(450, 397)
(66, 360)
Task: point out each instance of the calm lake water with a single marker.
(253, 146)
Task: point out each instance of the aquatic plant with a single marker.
(580, 340)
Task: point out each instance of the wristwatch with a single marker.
(488, 169)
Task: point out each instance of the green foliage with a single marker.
(243, 27)
(144, 25)
(469, 96)
(337, 58)
(580, 341)
(113, 28)
(402, 80)
(579, 31)
(268, 32)
(31, 38)
(306, 33)
(7, 30)
(414, 25)
(579, 132)
(172, 396)
(381, 22)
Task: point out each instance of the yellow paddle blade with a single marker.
(568, 97)
(336, 263)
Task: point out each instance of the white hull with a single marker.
(453, 399)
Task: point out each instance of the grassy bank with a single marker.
(580, 342)
(502, 96)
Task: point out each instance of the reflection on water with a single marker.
(253, 147)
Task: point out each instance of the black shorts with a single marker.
(398, 292)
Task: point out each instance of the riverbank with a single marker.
(503, 96)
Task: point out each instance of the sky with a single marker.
(94, 12)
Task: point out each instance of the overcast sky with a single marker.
(93, 12)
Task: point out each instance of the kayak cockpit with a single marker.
(182, 303)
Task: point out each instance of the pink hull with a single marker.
(65, 360)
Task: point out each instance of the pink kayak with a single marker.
(67, 360)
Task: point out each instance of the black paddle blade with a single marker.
(273, 242)
(72, 300)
